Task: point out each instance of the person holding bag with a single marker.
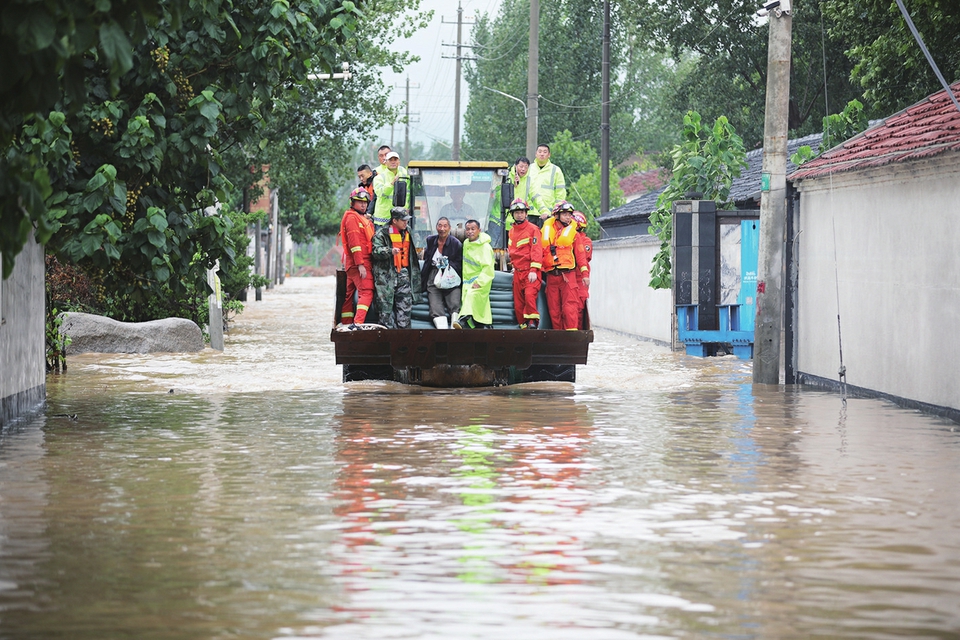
(442, 254)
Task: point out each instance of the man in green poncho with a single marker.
(477, 279)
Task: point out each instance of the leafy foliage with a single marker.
(837, 128)
(585, 196)
(705, 163)
(727, 49)
(889, 66)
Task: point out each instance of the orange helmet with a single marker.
(360, 194)
(580, 219)
(561, 207)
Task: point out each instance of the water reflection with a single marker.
(661, 496)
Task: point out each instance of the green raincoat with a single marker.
(477, 268)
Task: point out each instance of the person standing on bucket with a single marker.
(526, 253)
(441, 248)
(356, 233)
(396, 270)
(475, 312)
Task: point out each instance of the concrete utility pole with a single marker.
(456, 100)
(406, 139)
(605, 114)
(533, 80)
(773, 198)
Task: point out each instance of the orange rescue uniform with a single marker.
(583, 252)
(559, 267)
(356, 233)
(525, 247)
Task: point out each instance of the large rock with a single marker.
(99, 334)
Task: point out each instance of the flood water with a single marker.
(250, 494)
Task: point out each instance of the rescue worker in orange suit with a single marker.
(583, 252)
(526, 254)
(356, 234)
(559, 268)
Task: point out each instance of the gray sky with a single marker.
(433, 79)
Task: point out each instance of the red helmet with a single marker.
(519, 205)
(581, 219)
(360, 194)
(561, 207)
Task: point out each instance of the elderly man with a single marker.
(383, 186)
(396, 270)
(441, 251)
(477, 279)
(548, 182)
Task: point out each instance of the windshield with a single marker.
(459, 195)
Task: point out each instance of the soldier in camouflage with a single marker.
(396, 270)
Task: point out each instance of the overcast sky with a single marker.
(433, 79)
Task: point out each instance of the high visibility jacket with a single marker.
(383, 185)
(524, 190)
(525, 247)
(356, 233)
(549, 184)
(400, 240)
(558, 245)
(477, 269)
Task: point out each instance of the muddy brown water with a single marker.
(659, 497)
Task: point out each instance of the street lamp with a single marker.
(511, 97)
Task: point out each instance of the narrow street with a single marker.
(251, 494)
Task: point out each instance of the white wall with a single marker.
(886, 242)
(620, 298)
(22, 346)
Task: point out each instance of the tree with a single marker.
(889, 66)
(585, 196)
(727, 47)
(575, 157)
(569, 80)
(705, 162)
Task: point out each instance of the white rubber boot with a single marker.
(454, 320)
(440, 322)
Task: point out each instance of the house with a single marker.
(876, 252)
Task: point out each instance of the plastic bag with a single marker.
(446, 278)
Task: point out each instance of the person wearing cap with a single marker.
(356, 234)
(547, 181)
(559, 268)
(396, 270)
(526, 255)
(583, 253)
(475, 312)
(441, 249)
(383, 185)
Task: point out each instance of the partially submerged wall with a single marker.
(22, 348)
(620, 296)
(882, 242)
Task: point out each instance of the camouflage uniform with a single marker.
(394, 290)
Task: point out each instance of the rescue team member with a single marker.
(441, 248)
(522, 184)
(547, 182)
(356, 233)
(383, 186)
(396, 270)
(526, 254)
(477, 279)
(583, 252)
(559, 267)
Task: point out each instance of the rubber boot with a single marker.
(455, 321)
(440, 322)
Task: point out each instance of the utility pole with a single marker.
(773, 197)
(406, 140)
(456, 101)
(605, 114)
(533, 87)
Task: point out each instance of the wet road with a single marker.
(659, 497)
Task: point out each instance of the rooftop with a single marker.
(928, 128)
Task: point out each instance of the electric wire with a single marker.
(923, 47)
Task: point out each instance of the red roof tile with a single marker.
(643, 181)
(928, 128)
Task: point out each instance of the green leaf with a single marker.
(116, 47)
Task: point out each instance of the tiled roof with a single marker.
(928, 128)
(643, 181)
(742, 191)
